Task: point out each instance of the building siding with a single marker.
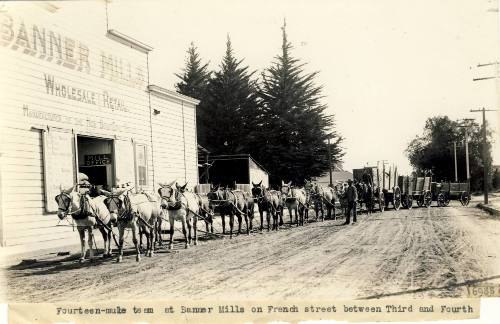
(33, 106)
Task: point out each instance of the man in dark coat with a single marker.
(352, 198)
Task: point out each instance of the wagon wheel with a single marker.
(404, 201)
(420, 200)
(441, 200)
(427, 199)
(381, 202)
(465, 198)
(409, 201)
(446, 200)
(396, 200)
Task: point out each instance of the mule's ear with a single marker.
(253, 184)
(104, 192)
(282, 183)
(290, 184)
(184, 186)
(260, 183)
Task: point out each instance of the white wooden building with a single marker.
(76, 98)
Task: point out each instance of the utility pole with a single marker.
(485, 153)
(465, 126)
(455, 155)
(485, 162)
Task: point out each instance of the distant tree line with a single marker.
(433, 151)
(278, 117)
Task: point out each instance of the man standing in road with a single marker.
(352, 198)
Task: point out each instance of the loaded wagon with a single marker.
(384, 184)
(453, 190)
(405, 184)
(422, 191)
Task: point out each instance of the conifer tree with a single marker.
(293, 143)
(193, 83)
(231, 106)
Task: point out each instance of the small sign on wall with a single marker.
(97, 159)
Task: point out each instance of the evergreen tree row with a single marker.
(279, 120)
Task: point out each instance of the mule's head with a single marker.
(181, 189)
(167, 194)
(67, 201)
(257, 190)
(285, 188)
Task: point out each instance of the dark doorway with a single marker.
(96, 160)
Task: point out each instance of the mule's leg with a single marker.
(207, 222)
(121, 231)
(104, 234)
(90, 240)
(240, 220)
(158, 237)
(189, 226)
(246, 221)
(268, 218)
(195, 229)
(149, 241)
(184, 231)
(261, 213)
(231, 224)
(223, 218)
(135, 233)
(171, 242)
(81, 232)
(250, 218)
(140, 239)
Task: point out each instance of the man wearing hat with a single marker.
(352, 198)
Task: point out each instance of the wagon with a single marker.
(421, 191)
(439, 191)
(405, 184)
(455, 190)
(384, 183)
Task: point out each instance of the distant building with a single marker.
(338, 175)
(228, 170)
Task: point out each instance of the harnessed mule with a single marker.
(87, 212)
(324, 196)
(294, 200)
(137, 213)
(269, 201)
(237, 202)
(182, 206)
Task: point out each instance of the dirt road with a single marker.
(415, 253)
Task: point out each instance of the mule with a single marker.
(324, 196)
(87, 212)
(270, 202)
(206, 212)
(237, 203)
(183, 206)
(137, 213)
(294, 200)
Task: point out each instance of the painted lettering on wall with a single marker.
(103, 99)
(51, 46)
(105, 124)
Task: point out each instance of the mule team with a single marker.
(142, 213)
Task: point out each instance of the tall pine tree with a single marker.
(193, 82)
(231, 106)
(295, 128)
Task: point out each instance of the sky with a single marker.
(385, 66)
